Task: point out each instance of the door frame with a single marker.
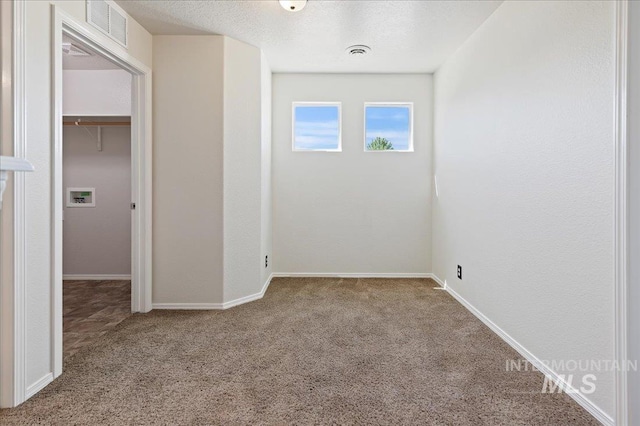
(12, 274)
(622, 307)
(14, 388)
(141, 160)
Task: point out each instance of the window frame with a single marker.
(411, 147)
(316, 104)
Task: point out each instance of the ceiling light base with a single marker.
(293, 5)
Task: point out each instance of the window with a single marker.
(316, 126)
(388, 127)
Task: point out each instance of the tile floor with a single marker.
(92, 308)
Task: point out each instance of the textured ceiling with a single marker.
(93, 62)
(405, 36)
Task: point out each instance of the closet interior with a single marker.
(97, 196)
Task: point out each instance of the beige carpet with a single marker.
(312, 351)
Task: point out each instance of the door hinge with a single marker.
(133, 206)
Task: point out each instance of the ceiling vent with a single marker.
(358, 50)
(110, 19)
(74, 50)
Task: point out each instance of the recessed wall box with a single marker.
(81, 197)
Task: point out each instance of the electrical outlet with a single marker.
(266, 261)
(459, 272)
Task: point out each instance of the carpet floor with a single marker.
(312, 351)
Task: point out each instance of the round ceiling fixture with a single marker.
(358, 49)
(293, 5)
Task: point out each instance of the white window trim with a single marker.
(388, 104)
(293, 125)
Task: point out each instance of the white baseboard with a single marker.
(350, 275)
(188, 306)
(96, 277)
(39, 385)
(438, 281)
(586, 403)
(216, 306)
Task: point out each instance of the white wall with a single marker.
(634, 213)
(266, 205)
(242, 169)
(38, 184)
(187, 169)
(524, 161)
(351, 211)
(97, 240)
(96, 92)
(211, 167)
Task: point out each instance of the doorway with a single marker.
(96, 174)
(137, 125)
(17, 386)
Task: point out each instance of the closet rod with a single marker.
(96, 123)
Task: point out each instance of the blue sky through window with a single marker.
(317, 127)
(390, 122)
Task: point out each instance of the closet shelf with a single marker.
(97, 123)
